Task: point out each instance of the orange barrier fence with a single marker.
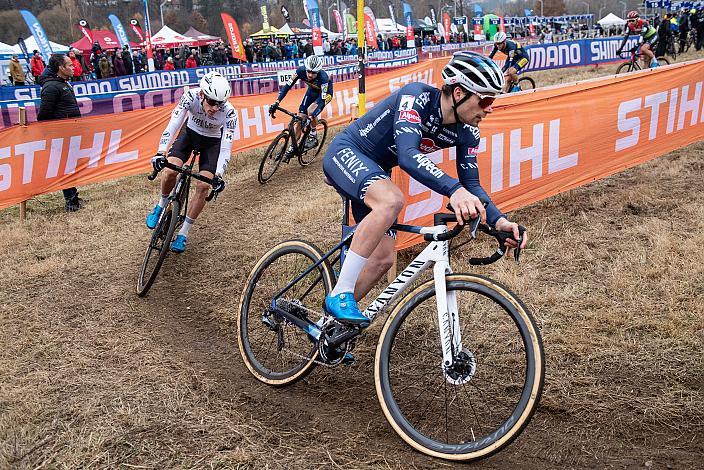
(48, 156)
(534, 145)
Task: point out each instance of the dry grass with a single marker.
(92, 376)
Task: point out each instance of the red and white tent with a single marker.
(167, 37)
(106, 39)
(202, 38)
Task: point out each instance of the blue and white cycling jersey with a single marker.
(319, 90)
(400, 131)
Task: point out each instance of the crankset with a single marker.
(336, 341)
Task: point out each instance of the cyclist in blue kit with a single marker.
(318, 95)
(415, 120)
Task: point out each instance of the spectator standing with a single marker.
(127, 58)
(119, 64)
(16, 72)
(294, 50)
(77, 68)
(169, 64)
(59, 102)
(249, 51)
(191, 62)
(105, 67)
(36, 64)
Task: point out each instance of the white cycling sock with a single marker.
(163, 201)
(351, 269)
(186, 226)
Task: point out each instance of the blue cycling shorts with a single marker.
(351, 173)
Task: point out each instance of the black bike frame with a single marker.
(292, 131)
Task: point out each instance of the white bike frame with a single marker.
(448, 319)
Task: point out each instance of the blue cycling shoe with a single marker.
(344, 308)
(153, 217)
(179, 244)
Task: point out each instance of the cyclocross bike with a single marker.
(277, 150)
(634, 62)
(459, 364)
(171, 219)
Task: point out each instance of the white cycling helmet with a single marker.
(215, 87)
(499, 37)
(473, 72)
(313, 63)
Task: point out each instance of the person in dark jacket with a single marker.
(59, 102)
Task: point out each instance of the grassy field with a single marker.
(91, 376)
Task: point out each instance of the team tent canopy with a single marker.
(167, 37)
(270, 34)
(31, 44)
(611, 20)
(106, 40)
(202, 38)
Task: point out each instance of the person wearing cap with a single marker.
(36, 64)
(16, 72)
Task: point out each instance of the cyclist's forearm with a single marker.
(171, 129)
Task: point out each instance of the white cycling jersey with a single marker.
(221, 125)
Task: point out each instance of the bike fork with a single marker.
(448, 316)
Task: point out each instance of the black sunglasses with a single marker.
(212, 102)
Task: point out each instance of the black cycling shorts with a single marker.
(189, 140)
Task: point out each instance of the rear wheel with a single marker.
(478, 404)
(272, 157)
(663, 61)
(276, 351)
(526, 83)
(159, 246)
(307, 157)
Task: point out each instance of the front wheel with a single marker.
(272, 157)
(478, 403)
(625, 67)
(159, 246)
(526, 83)
(307, 157)
(274, 349)
(664, 61)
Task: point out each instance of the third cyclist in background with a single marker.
(516, 59)
(649, 37)
(319, 94)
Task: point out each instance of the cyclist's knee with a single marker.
(202, 189)
(385, 196)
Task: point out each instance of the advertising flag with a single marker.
(368, 12)
(338, 20)
(120, 32)
(265, 17)
(433, 18)
(85, 29)
(233, 35)
(408, 15)
(39, 35)
(393, 16)
(137, 29)
(23, 48)
(314, 16)
(370, 31)
(446, 22)
(284, 13)
(351, 23)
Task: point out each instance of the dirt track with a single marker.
(92, 376)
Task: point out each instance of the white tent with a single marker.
(6, 51)
(167, 37)
(31, 44)
(387, 26)
(611, 20)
